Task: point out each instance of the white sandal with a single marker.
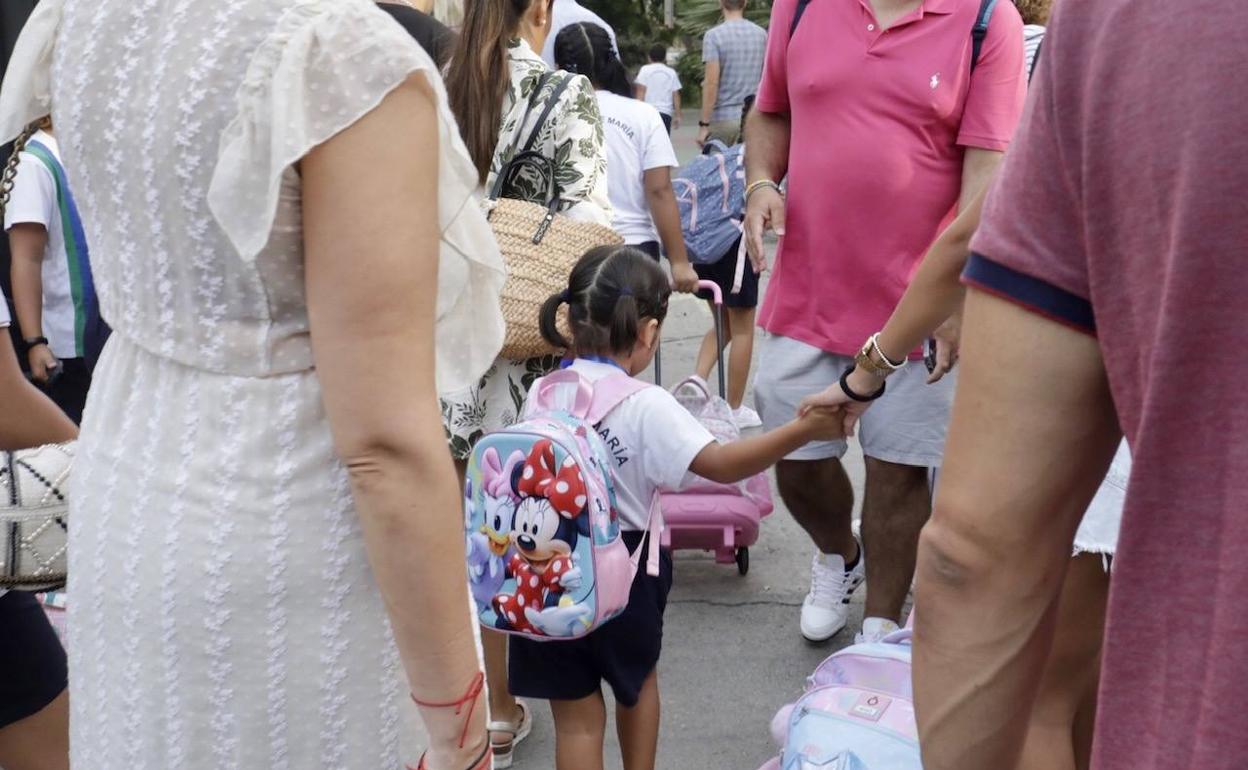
(504, 752)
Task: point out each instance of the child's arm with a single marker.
(732, 462)
(666, 216)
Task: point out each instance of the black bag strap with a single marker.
(543, 166)
(980, 31)
(797, 17)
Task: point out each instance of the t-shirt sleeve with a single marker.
(658, 151)
(1030, 245)
(773, 89)
(33, 199)
(710, 46)
(676, 86)
(998, 84)
(672, 438)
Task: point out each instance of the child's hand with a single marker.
(824, 423)
(684, 277)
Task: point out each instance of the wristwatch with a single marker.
(33, 342)
(873, 361)
(703, 124)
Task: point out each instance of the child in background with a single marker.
(617, 300)
(640, 157)
(659, 86)
(739, 310)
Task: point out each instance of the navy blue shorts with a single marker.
(32, 660)
(622, 652)
(724, 272)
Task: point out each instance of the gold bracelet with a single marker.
(875, 345)
(754, 187)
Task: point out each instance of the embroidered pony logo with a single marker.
(935, 81)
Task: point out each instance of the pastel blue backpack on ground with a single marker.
(710, 193)
(857, 713)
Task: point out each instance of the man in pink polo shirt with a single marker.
(884, 126)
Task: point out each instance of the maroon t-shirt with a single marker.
(1122, 210)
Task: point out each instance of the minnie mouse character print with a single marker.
(548, 521)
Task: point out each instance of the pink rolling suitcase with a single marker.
(723, 518)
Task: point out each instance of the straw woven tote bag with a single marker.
(34, 517)
(539, 244)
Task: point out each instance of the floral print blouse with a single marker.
(572, 137)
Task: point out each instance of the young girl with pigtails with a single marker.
(617, 300)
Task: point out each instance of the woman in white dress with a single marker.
(266, 182)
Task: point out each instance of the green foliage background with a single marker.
(639, 24)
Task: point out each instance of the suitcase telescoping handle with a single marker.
(717, 297)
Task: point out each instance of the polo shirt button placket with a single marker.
(870, 27)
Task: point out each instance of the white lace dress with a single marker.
(224, 614)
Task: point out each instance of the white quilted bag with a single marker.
(34, 517)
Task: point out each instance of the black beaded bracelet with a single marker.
(855, 396)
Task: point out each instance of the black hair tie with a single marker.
(565, 297)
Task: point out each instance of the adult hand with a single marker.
(835, 397)
(704, 134)
(42, 363)
(763, 210)
(948, 341)
(684, 277)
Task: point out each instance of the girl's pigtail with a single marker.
(548, 321)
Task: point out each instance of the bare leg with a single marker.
(821, 499)
(638, 727)
(740, 322)
(896, 505)
(707, 356)
(40, 741)
(580, 727)
(503, 707)
(1072, 670)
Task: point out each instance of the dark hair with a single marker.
(479, 75)
(585, 49)
(611, 291)
(733, 5)
(658, 52)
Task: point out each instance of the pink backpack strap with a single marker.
(593, 400)
(654, 527)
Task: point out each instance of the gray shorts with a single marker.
(906, 426)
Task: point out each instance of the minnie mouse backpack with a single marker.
(545, 557)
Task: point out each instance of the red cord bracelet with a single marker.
(470, 698)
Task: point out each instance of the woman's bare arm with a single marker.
(371, 240)
(28, 417)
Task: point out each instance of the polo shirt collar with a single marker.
(939, 6)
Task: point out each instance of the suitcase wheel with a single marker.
(743, 560)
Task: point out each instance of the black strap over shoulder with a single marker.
(979, 32)
(797, 17)
(542, 166)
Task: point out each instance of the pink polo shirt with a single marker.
(879, 123)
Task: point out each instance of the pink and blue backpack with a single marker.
(545, 557)
(857, 713)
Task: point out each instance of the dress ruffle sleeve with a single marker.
(327, 64)
(26, 95)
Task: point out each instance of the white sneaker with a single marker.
(746, 418)
(875, 629)
(826, 608)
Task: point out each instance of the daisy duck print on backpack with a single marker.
(545, 557)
